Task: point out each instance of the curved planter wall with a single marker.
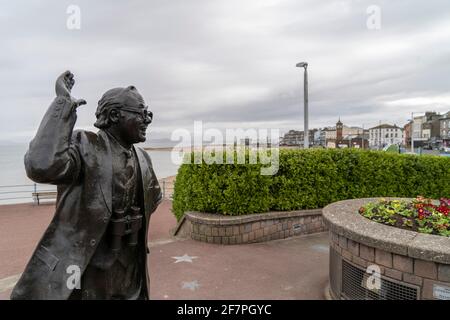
(412, 265)
(220, 229)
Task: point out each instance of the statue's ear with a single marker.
(114, 116)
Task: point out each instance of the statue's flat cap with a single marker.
(119, 97)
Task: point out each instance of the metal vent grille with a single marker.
(353, 287)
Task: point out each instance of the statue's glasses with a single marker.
(144, 114)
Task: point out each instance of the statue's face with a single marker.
(133, 123)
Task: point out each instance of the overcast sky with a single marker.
(228, 63)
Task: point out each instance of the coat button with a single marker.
(105, 219)
(93, 242)
(60, 101)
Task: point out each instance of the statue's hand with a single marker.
(64, 84)
(63, 88)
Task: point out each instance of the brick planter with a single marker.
(412, 265)
(220, 229)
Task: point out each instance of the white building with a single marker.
(385, 134)
(444, 128)
(352, 131)
(417, 133)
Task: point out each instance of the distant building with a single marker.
(323, 139)
(319, 137)
(348, 132)
(297, 138)
(427, 131)
(330, 133)
(407, 128)
(291, 138)
(431, 129)
(385, 134)
(444, 127)
(342, 136)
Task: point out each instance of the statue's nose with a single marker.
(149, 117)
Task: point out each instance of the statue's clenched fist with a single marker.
(63, 88)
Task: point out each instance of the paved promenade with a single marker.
(295, 268)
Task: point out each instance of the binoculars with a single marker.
(125, 225)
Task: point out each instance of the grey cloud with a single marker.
(226, 62)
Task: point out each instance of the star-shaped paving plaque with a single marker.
(184, 258)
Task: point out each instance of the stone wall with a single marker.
(219, 229)
(421, 273)
(416, 260)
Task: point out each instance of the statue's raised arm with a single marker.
(50, 158)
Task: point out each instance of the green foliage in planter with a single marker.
(308, 179)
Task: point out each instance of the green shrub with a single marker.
(308, 179)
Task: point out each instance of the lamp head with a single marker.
(302, 64)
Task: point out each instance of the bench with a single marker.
(37, 196)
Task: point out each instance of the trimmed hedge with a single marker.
(308, 179)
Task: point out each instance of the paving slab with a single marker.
(294, 268)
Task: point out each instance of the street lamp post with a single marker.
(305, 97)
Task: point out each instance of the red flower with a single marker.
(444, 210)
(444, 202)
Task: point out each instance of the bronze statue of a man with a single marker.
(107, 190)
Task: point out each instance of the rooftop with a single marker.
(386, 126)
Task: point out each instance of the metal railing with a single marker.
(8, 193)
(18, 191)
(167, 189)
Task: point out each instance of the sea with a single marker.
(16, 187)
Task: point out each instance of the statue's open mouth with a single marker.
(143, 130)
